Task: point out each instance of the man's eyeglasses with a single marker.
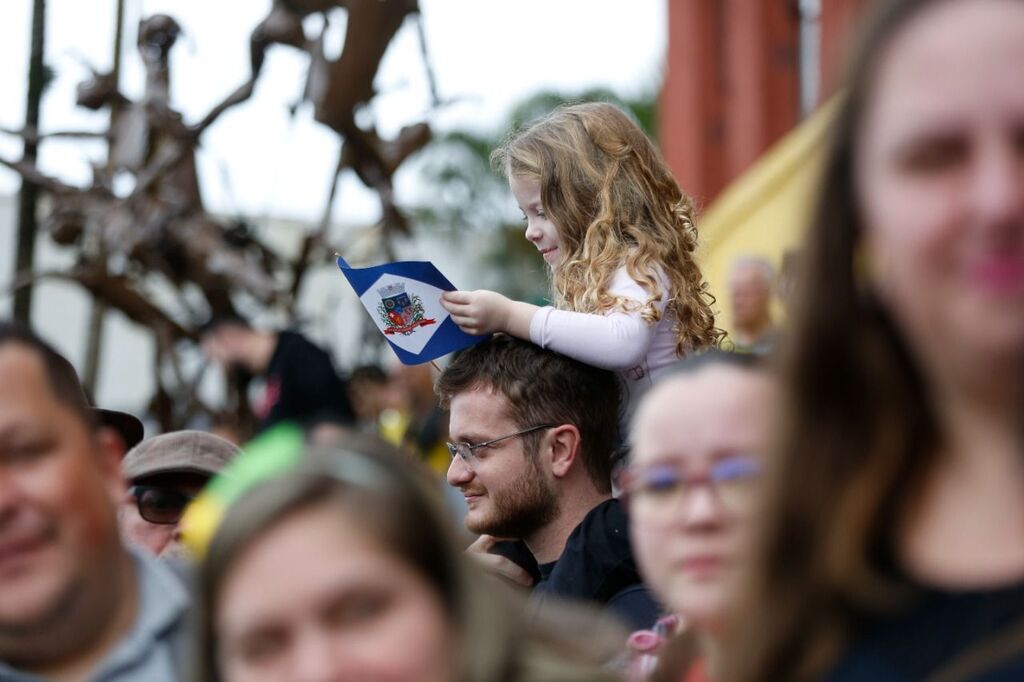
(159, 504)
(730, 479)
(466, 451)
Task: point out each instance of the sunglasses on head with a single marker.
(159, 504)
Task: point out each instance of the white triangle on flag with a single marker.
(422, 295)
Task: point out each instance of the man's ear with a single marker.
(563, 448)
(110, 452)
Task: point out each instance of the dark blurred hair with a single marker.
(543, 387)
(716, 356)
(219, 321)
(372, 374)
(858, 434)
(60, 373)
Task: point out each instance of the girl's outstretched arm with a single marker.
(484, 312)
(616, 340)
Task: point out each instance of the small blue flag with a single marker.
(404, 300)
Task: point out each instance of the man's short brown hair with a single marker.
(543, 387)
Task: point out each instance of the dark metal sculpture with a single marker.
(159, 229)
(338, 88)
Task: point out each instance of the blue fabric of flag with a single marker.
(405, 319)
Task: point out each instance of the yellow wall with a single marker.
(764, 211)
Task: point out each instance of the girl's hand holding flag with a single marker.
(485, 312)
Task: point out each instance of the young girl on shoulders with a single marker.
(609, 219)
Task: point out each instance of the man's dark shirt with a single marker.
(597, 565)
(302, 385)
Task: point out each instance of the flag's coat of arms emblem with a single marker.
(415, 311)
(404, 301)
(401, 313)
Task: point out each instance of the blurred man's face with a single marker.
(369, 399)
(217, 345)
(59, 487)
(228, 345)
(750, 294)
(151, 512)
(414, 386)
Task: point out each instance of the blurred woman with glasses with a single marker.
(691, 486)
(892, 540)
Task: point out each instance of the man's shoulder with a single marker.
(166, 592)
(597, 565)
(636, 605)
(157, 646)
(296, 353)
(292, 342)
(597, 561)
(604, 530)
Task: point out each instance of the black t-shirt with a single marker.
(932, 633)
(597, 565)
(302, 385)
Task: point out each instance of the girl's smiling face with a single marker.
(540, 231)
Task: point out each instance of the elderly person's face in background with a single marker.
(699, 440)
(940, 174)
(150, 515)
(750, 294)
(316, 598)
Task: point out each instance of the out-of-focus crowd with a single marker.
(604, 488)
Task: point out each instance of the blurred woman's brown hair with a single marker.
(396, 501)
(859, 435)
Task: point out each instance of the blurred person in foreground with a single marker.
(533, 433)
(699, 438)
(301, 383)
(346, 569)
(74, 603)
(751, 281)
(892, 545)
(164, 475)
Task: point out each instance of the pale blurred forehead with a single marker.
(713, 408)
(751, 270)
(23, 380)
(954, 60)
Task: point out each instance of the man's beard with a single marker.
(519, 510)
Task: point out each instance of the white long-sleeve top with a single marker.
(620, 341)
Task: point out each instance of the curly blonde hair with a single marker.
(614, 202)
